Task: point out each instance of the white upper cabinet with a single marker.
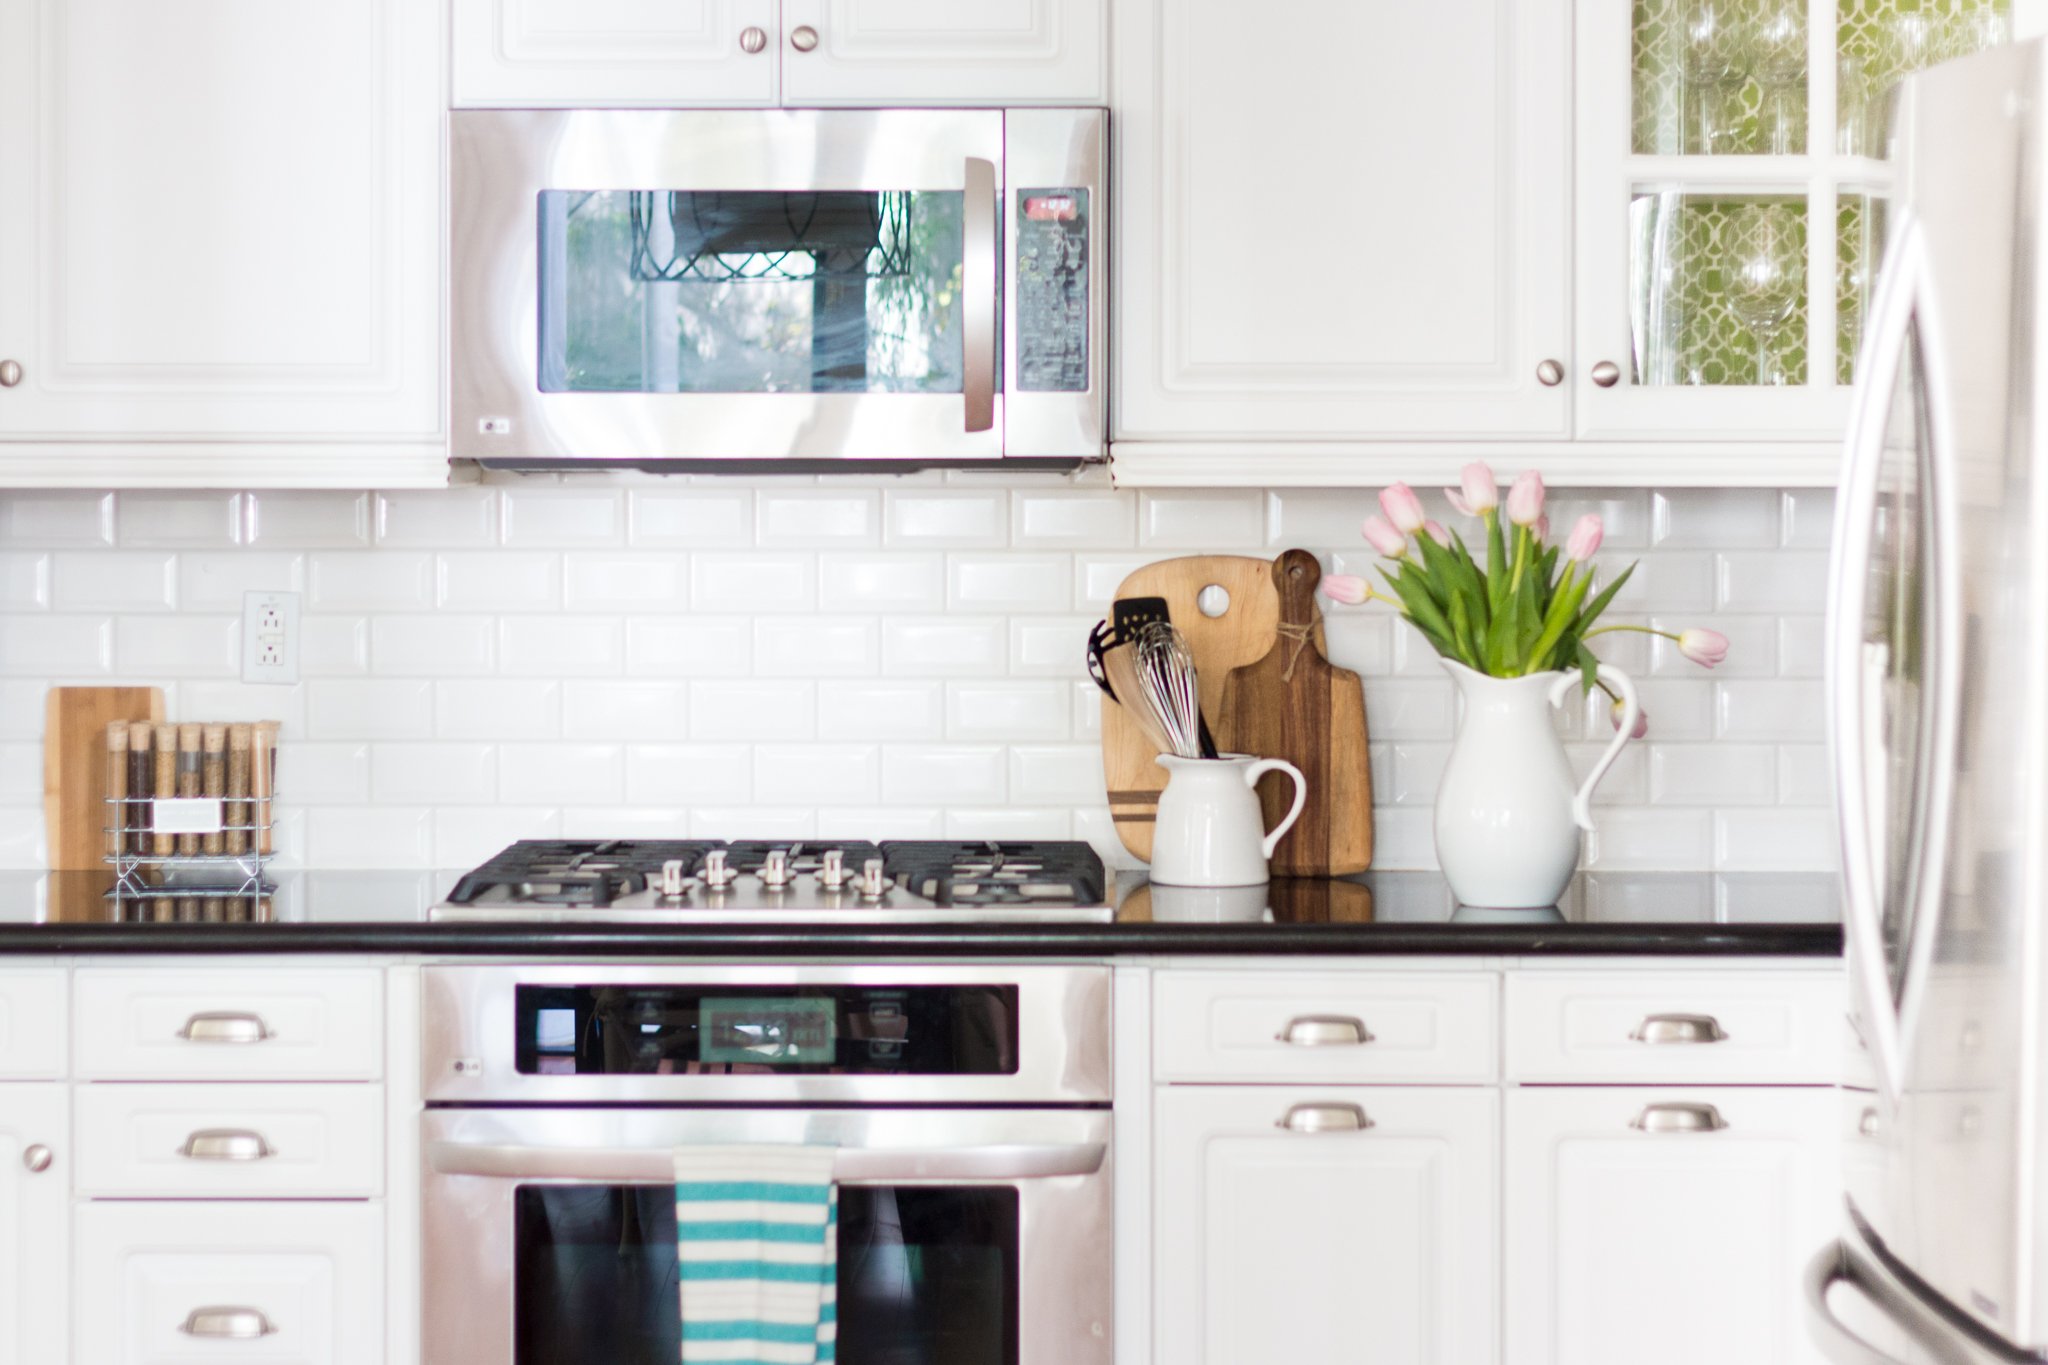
(942, 52)
(1341, 221)
(35, 1217)
(597, 53)
(220, 222)
(686, 53)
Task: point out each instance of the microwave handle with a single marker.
(865, 1165)
(978, 294)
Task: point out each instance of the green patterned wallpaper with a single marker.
(1686, 246)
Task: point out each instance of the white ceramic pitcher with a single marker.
(1507, 815)
(1210, 830)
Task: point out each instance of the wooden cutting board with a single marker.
(1293, 704)
(75, 766)
(1242, 633)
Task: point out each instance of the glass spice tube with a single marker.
(238, 807)
(213, 781)
(115, 811)
(190, 776)
(263, 778)
(166, 785)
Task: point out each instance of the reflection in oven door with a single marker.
(927, 1275)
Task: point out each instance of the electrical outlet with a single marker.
(270, 637)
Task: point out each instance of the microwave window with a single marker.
(677, 291)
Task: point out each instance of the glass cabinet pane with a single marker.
(669, 291)
(1720, 77)
(1859, 249)
(1718, 288)
(1879, 41)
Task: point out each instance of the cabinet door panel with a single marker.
(1625, 1245)
(34, 1225)
(608, 53)
(32, 1025)
(942, 52)
(223, 219)
(1348, 223)
(1321, 1248)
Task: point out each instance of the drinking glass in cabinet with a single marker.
(1859, 247)
(1880, 41)
(1718, 288)
(1777, 56)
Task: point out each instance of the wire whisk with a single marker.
(1166, 677)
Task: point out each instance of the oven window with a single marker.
(724, 1031)
(675, 291)
(927, 1275)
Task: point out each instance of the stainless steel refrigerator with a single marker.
(1938, 691)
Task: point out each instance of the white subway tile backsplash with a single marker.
(816, 517)
(877, 657)
(21, 772)
(498, 580)
(296, 520)
(453, 518)
(1010, 582)
(562, 518)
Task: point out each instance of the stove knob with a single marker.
(673, 882)
(775, 869)
(873, 885)
(715, 874)
(832, 873)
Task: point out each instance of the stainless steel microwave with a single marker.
(690, 289)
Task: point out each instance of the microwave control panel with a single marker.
(1052, 290)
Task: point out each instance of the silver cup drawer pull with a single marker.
(1679, 1118)
(226, 1144)
(227, 1323)
(1325, 1118)
(1678, 1028)
(1325, 1030)
(226, 1026)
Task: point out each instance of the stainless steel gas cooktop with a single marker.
(812, 881)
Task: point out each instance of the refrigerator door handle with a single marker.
(1891, 328)
(1840, 1345)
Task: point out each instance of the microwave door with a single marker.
(726, 285)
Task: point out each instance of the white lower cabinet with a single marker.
(34, 1223)
(1375, 1244)
(286, 1284)
(1625, 1244)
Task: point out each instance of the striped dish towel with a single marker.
(757, 1242)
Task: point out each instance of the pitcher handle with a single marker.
(1279, 765)
(1631, 712)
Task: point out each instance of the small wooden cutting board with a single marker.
(1294, 704)
(75, 766)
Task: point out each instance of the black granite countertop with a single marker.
(1607, 913)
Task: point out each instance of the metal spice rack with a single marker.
(228, 884)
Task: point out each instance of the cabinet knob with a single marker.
(10, 373)
(1607, 374)
(226, 1144)
(1867, 1123)
(225, 1026)
(753, 38)
(37, 1158)
(1678, 1028)
(1679, 1118)
(237, 1324)
(1550, 373)
(803, 38)
(1324, 1030)
(1325, 1118)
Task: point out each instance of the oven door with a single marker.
(967, 1237)
(704, 286)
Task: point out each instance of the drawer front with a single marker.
(31, 1025)
(1675, 1028)
(230, 1141)
(1292, 1027)
(229, 1025)
(310, 1273)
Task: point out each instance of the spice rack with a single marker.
(189, 819)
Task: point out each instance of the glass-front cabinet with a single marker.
(1732, 183)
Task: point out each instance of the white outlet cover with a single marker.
(270, 637)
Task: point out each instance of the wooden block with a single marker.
(75, 723)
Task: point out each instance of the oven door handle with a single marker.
(861, 1165)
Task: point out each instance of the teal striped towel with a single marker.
(757, 1243)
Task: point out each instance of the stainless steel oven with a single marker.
(693, 288)
(969, 1108)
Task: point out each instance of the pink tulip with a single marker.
(1458, 503)
(1585, 539)
(1482, 494)
(1384, 538)
(1618, 710)
(1704, 647)
(1525, 499)
(1541, 530)
(1436, 532)
(1402, 507)
(1347, 588)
